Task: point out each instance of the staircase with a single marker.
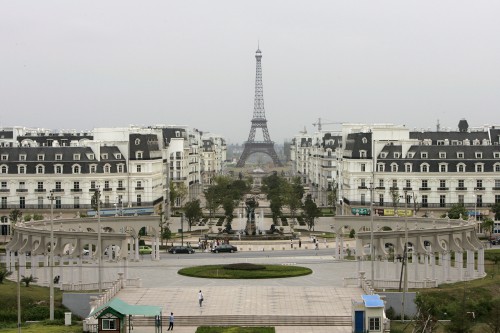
(249, 320)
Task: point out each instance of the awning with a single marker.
(373, 301)
(129, 309)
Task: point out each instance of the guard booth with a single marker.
(369, 315)
(116, 316)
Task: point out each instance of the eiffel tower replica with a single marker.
(258, 121)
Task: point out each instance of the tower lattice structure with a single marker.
(258, 121)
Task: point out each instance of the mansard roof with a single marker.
(356, 142)
(6, 134)
(450, 136)
(331, 141)
(170, 133)
(145, 143)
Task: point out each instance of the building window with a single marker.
(22, 185)
(137, 142)
(460, 199)
(442, 200)
(139, 168)
(497, 183)
(424, 183)
(76, 202)
(138, 155)
(58, 169)
(21, 169)
(109, 324)
(139, 185)
(394, 167)
(497, 198)
(58, 186)
(381, 183)
(423, 155)
(106, 184)
(4, 169)
(380, 167)
(104, 156)
(91, 157)
(396, 155)
(362, 153)
(139, 200)
(461, 167)
(443, 167)
(380, 199)
(363, 183)
(497, 167)
(374, 324)
(460, 155)
(120, 184)
(92, 184)
(408, 167)
(395, 184)
(76, 169)
(107, 168)
(22, 202)
(40, 169)
(5, 157)
(76, 186)
(479, 200)
(461, 183)
(479, 184)
(58, 203)
(442, 154)
(22, 157)
(76, 157)
(479, 167)
(424, 167)
(40, 186)
(58, 157)
(442, 183)
(408, 183)
(4, 202)
(93, 168)
(4, 185)
(363, 200)
(40, 157)
(363, 167)
(118, 156)
(479, 155)
(120, 168)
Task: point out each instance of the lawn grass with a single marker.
(234, 329)
(41, 328)
(219, 272)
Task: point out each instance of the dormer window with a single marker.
(21, 169)
(496, 154)
(4, 169)
(91, 157)
(5, 157)
(40, 157)
(383, 155)
(77, 169)
(380, 167)
(362, 153)
(137, 142)
(424, 167)
(177, 134)
(479, 154)
(479, 167)
(461, 167)
(442, 154)
(40, 169)
(104, 156)
(460, 155)
(118, 156)
(138, 155)
(76, 157)
(107, 168)
(410, 155)
(443, 167)
(120, 168)
(58, 168)
(364, 140)
(22, 157)
(93, 168)
(408, 167)
(424, 155)
(58, 157)
(396, 155)
(394, 167)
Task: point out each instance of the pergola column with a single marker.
(433, 264)
(480, 261)
(415, 263)
(470, 264)
(157, 248)
(337, 248)
(426, 265)
(341, 248)
(459, 264)
(7, 260)
(136, 248)
(446, 264)
(22, 263)
(61, 271)
(125, 268)
(80, 269)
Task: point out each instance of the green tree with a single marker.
(492, 319)
(456, 211)
(95, 199)
(274, 187)
(311, 212)
(166, 234)
(488, 225)
(428, 306)
(15, 215)
(293, 196)
(28, 279)
(395, 199)
(178, 191)
(212, 200)
(332, 197)
(3, 274)
(192, 211)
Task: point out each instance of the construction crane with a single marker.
(319, 123)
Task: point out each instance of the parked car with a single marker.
(145, 249)
(180, 249)
(225, 248)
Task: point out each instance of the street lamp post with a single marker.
(372, 247)
(405, 257)
(99, 240)
(51, 277)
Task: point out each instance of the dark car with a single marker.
(180, 249)
(225, 248)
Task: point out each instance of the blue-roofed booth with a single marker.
(369, 315)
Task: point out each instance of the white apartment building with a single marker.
(436, 169)
(130, 166)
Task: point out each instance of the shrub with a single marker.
(36, 313)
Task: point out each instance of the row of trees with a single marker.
(281, 192)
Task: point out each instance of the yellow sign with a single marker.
(400, 212)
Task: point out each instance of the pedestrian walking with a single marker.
(300, 243)
(171, 322)
(291, 243)
(317, 245)
(200, 298)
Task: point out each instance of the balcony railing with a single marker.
(58, 190)
(362, 187)
(139, 188)
(380, 188)
(120, 188)
(22, 190)
(107, 189)
(4, 189)
(406, 188)
(478, 188)
(461, 188)
(394, 188)
(425, 189)
(76, 190)
(40, 190)
(443, 188)
(496, 188)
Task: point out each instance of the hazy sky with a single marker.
(84, 64)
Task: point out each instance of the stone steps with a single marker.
(250, 320)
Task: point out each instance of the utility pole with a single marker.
(372, 246)
(405, 258)
(51, 277)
